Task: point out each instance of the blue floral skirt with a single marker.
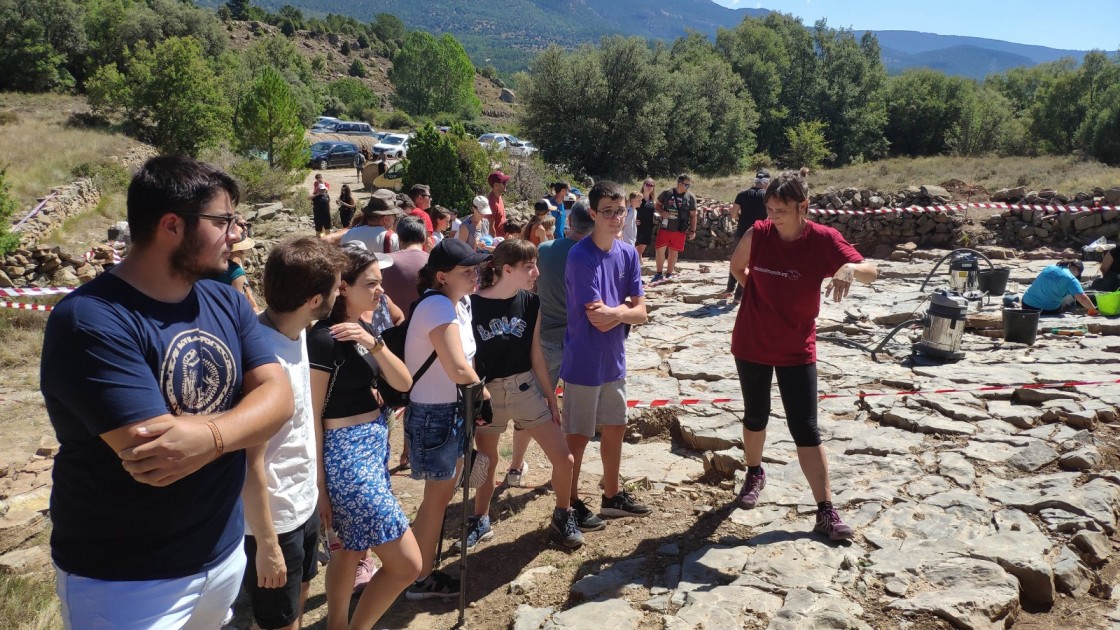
(364, 511)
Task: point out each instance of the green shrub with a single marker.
(259, 183)
(107, 176)
(807, 145)
(8, 208)
(357, 69)
(398, 119)
(8, 117)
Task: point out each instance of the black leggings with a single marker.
(732, 283)
(798, 387)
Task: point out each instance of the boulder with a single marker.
(506, 95)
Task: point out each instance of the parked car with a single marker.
(522, 148)
(393, 178)
(353, 128)
(497, 140)
(324, 124)
(394, 145)
(327, 154)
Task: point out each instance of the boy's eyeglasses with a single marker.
(611, 214)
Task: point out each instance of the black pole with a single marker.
(470, 393)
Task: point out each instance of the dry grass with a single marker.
(40, 151)
(82, 231)
(29, 603)
(1065, 174)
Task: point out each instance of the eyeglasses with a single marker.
(648, 185)
(228, 219)
(611, 214)
(425, 195)
(246, 230)
(688, 185)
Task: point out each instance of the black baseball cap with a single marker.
(450, 253)
(762, 174)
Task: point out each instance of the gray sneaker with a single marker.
(565, 529)
(516, 476)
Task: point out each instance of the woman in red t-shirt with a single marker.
(781, 263)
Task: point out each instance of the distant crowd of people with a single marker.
(206, 444)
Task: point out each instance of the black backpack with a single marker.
(394, 339)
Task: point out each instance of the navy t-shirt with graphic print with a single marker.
(503, 330)
(113, 356)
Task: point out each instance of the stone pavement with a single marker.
(968, 506)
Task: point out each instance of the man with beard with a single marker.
(155, 381)
(301, 280)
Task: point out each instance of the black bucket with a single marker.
(1020, 325)
(994, 281)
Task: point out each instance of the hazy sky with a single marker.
(1069, 24)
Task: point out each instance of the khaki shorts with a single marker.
(588, 407)
(517, 398)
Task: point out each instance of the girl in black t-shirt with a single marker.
(346, 206)
(346, 355)
(507, 329)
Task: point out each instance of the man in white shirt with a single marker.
(301, 279)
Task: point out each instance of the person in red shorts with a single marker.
(781, 262)
(676, 208)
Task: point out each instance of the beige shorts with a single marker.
(588, 407)
(517, 398)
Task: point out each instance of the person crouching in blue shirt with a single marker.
(1056, 288)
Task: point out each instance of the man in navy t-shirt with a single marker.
(154, 381)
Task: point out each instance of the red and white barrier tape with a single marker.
(944, 208)
(91, 254)
(20, 306)
(687, 402)
(35, 291)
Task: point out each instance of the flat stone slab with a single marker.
(609, 613)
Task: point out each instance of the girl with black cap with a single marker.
(440, 325)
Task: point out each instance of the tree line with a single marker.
(769, 91)
(773, 90)
(165, 71)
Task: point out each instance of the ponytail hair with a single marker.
(788, 187)
(510, 252)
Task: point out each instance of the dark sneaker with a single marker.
(565, 529)
(752, 487)
(478, 530)
(657, 277)
(585, 520)
(670, 276)
(829, 524)
(438, 584)
(623, 504)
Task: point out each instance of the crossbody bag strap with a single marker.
(423, 368)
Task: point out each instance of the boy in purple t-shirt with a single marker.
(603, 286)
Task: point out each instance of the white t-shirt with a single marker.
(373, 237)
(435, 386)
(289, 457)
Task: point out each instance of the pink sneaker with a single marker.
(366, 569)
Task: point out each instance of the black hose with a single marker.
(859, 346)
(946, 256)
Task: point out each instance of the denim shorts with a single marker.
(435, 440)
(553, 355)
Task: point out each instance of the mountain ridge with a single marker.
(491, 37)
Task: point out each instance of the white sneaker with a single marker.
(515, 476)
